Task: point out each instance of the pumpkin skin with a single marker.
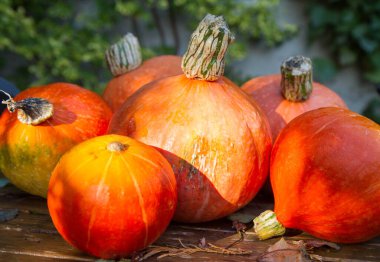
(215, 137)
(325, 175)
(266, 91)
(123, 86)
(112, 203)
(28, 153)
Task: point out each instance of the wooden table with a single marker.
(31, 236)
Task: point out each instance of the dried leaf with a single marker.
(8, 214)
(202, 242)
(282, 251)
(238, 226)
(315, 243)
(184, 251)
(315, 257)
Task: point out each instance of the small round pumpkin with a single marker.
(215, 137)
(47, 121)
(325, 175)
(111, 196)
(124, 61)
(289, 94)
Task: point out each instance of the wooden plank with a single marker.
(31, 236)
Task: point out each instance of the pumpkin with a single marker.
(124, 61)
(215, 137)
(111, 196)
(325, 175)
(50, 120)
(289, 94)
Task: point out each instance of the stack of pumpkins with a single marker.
(192, 146)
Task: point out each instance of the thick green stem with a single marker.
(30, 111)
(296, 78)
(124, 56)
(266, 225)
(204, 58)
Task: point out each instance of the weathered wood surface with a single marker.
(31, 236)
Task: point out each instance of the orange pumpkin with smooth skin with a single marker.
(111, 196)
(266, 91)
(28, 153)
(216, 139)
(214, 136)
(123, 86)
(325, 175)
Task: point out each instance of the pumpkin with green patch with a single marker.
(41, 124)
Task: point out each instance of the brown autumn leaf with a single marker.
(283, 251)
(239, 226)
(202, 242)
(315, 243)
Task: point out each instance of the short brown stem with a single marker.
(296, 78)
(30, 111)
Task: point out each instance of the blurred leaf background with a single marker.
(65, 40)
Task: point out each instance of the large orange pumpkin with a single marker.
(325, 175)
(215, 137)
(111, 196)
(50, 119)
(124, 59)
(289, 94)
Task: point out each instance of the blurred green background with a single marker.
(47, 41)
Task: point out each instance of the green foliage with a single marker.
(350, 31)
(65, 40)
(324, 68)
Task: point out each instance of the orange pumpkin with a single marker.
(124, 59)
(111, 196)
(289, 94)
(215, 137)
(325, 175)
(50, 119)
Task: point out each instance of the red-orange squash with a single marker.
(215, 137)
(325, 175)
(289, 94)
(111, 196)
(61, 116)
(124, 60)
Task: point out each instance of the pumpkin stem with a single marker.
(117, 147)
(296, 78)
(266, 225)
(124, 56)
(204, 58)
(30, 111)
